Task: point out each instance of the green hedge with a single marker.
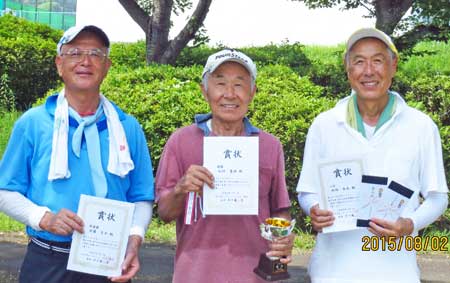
(27, 54)
(131, 55)
(323, 65)
(432, 96)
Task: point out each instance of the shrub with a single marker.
(428, 59)
(432, 96)
(322, 64)
(284, 54)
(434, 93)
(290, 55)
(190, 56)
(27, 52)
(131, 55)
(327, 70)
(12, 27)
(7, 99)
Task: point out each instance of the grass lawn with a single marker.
(7, 120)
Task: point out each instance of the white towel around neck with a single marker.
(119, 162)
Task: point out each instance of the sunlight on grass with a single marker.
(304, 241)
(6, 124)
(161, 232)
(7, 224)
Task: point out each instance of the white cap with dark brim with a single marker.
(229, 55)
(370, 32)
(72, 32)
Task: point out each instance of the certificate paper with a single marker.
(234, 163)
(381, 201)
(101, 249)
(340, 182)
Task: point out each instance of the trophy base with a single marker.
(271, 269)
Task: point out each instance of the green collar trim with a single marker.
(355, 120)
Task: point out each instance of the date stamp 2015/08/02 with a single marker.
(409, 243)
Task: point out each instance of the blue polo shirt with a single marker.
(25, 164)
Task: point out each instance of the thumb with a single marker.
(126, 263)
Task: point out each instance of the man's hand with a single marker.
(171, 205)
(401, 227)
(282, 247)
(194, 179)
(130, 265)
(63, 223)
(320, 218)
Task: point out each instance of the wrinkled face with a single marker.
(83, 73)
(370, 69)
(229, 92)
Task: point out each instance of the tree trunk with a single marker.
(158, 36)
(157, 26)
(137, 13)
(187, 33)
(389, 13)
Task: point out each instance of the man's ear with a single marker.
(108, 64)
(204, 92)
(395, 64)
(58, 63)
(253, 92)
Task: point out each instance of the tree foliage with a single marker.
(428, 19)
(27, 59)
(153, 16)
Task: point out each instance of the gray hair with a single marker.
(206, 77)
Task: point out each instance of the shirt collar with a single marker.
(201, 119)
(341, 107)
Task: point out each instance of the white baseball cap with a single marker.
(72, 32)
(371, 32)
(229, 55)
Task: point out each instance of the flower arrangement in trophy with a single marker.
(271, 268)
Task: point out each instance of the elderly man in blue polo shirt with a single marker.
(78, 142)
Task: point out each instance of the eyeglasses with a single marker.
(77, 55)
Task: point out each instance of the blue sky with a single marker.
(239, 23)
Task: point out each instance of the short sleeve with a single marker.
(169, 170)
(141, 178)
(279, 198)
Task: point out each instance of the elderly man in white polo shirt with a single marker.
(393, 140)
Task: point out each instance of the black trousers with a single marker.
(46, 266)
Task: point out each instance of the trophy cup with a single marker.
(271, 268)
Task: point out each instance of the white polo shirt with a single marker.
(406, 149)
